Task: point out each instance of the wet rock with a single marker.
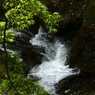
(34, 78)
(77, 85)
(31, 57)
(82, 55)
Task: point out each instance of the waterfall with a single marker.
(52, 68)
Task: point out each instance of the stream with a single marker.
(53, 67)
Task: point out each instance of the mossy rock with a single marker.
(78, 84)
(90, 13)
(82, 55)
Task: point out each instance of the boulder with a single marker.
(82, 56)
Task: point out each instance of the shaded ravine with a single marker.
(53, 68)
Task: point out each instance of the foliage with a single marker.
(21, 14)
(9, 34)
(20, 84)
(23, 85)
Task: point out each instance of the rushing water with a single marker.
(53, 67)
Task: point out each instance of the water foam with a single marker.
(52, 70)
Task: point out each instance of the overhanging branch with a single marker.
(4, 46)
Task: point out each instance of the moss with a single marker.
(90, 13)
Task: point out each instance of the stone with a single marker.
(82, 56)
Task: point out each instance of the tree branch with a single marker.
(6, 57)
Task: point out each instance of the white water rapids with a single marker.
(52, 68)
